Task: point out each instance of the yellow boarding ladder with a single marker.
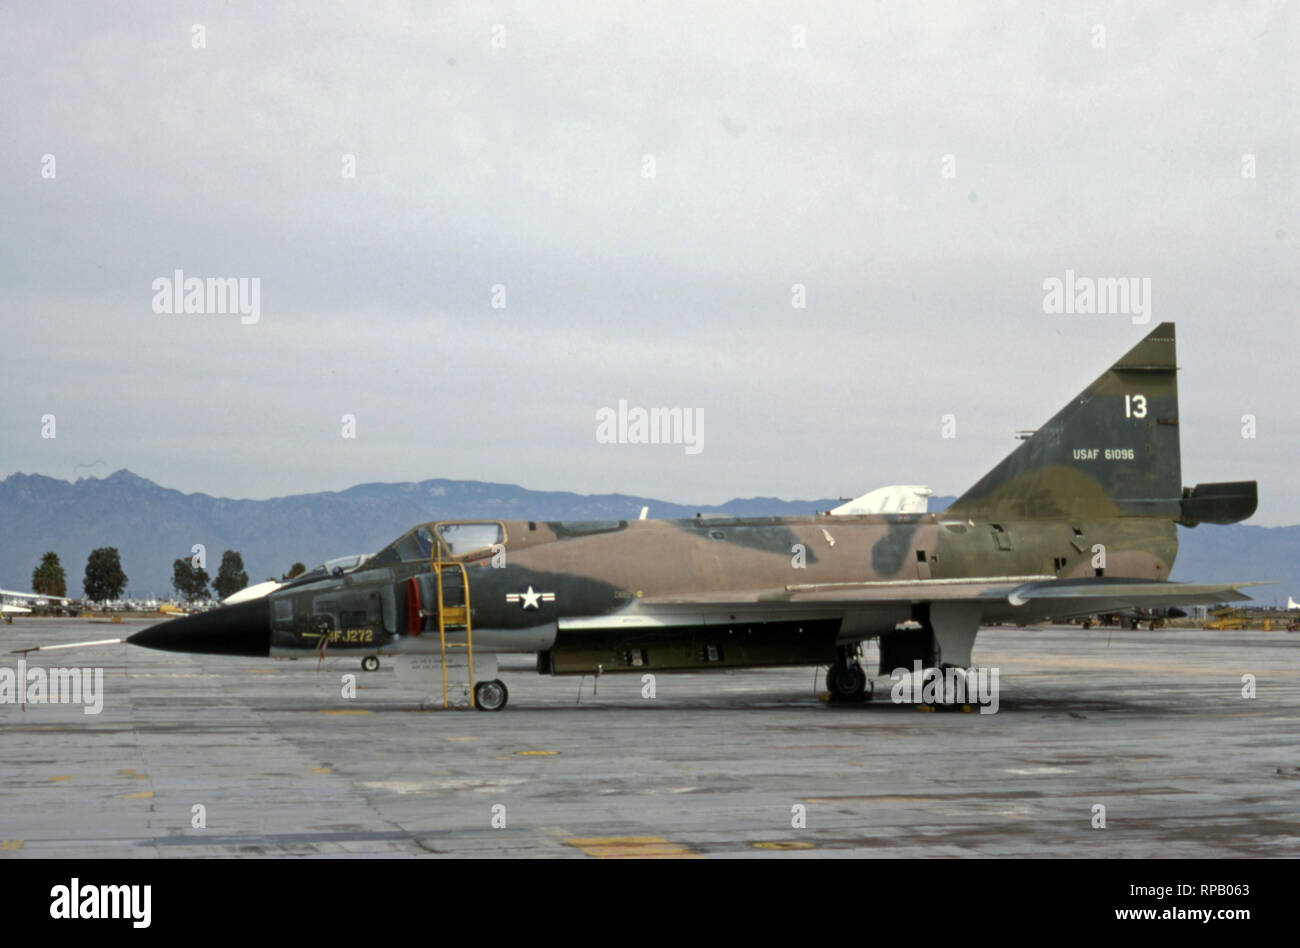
(453, 619)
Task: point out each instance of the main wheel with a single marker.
(491, 695)
(846, 683)
(370, 663)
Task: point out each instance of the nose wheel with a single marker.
(370, 663)
(491, 695)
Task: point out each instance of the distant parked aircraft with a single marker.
(10, 609)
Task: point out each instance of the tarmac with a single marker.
(1151, 725)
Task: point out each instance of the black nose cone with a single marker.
(241, 629)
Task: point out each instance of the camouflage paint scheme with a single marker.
(1103, 475)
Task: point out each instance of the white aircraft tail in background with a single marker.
(1291, 603)
(902, 498)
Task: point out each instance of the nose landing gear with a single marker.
(491, 695)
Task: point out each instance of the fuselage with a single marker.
(527, 579)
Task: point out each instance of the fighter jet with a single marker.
(1080, 519)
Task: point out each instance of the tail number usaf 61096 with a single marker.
(1110, 454)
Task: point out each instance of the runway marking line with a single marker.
(321, 770)
(60, 777)
(338, 711)
(9, 845)
(875, 799)
(147, 795)
(783, 844)
(536, 753)
(631, 847)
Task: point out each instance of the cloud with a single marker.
(524, 167)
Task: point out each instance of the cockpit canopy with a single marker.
(457, 538)
(335, 567)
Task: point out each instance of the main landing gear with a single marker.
(845, 680)
(370, 663)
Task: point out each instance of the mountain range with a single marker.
(153, 525)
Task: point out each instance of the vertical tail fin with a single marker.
(1112, 451)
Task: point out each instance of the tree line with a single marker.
(104, 578)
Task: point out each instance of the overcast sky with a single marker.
(647, 182)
